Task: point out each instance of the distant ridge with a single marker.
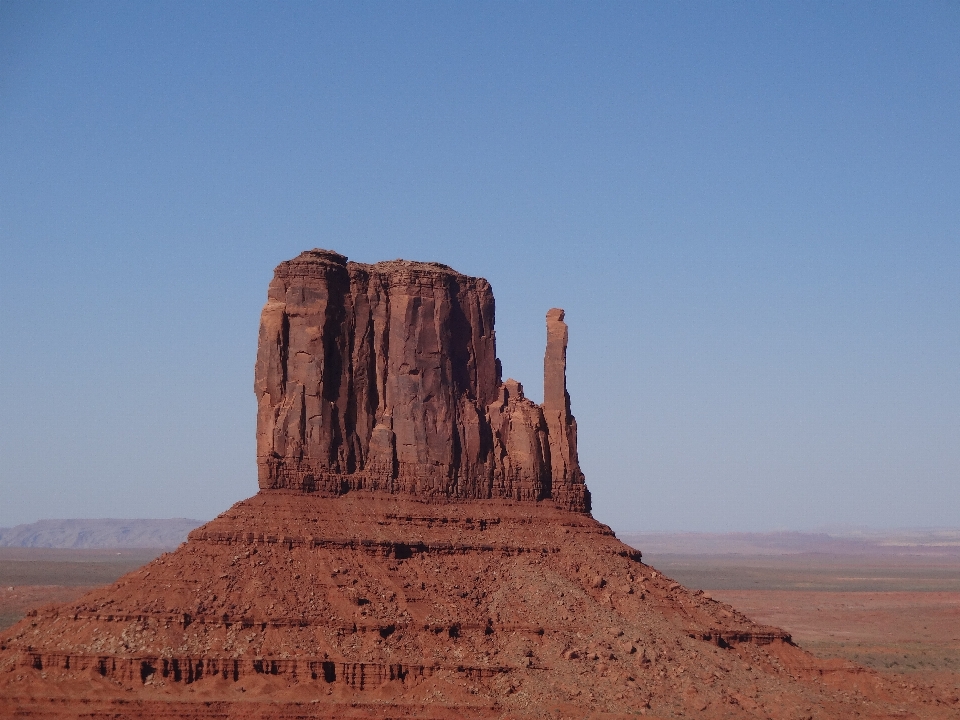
(102, 533)
(932, 541)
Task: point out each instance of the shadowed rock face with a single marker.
(385, 377)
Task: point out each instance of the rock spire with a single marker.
(561, 425)
(385, 377)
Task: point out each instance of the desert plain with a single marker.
(889, 602)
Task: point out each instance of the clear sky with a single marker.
(750, 212)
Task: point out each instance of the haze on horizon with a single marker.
(748, 211)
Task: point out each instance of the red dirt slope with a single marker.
(376, 605)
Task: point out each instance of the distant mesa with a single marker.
(385, 377)
(103, 533)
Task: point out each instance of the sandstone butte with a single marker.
(421, 546)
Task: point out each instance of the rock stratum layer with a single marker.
(420, 548)
(385, 377)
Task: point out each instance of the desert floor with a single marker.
(896, 614)
(32, 577)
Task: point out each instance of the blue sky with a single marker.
(749, 211)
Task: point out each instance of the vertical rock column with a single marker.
(568, 487)
(520, 445)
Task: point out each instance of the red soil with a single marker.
(913, 637)
(379, 606)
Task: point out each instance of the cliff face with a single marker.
(385, 377)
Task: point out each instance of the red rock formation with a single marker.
(385, 377)
(377, 605)
(569, 489)
(424, 573)
(521, 446)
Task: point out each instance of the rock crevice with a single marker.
(385, 377)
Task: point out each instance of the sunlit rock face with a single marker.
(385, 377)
